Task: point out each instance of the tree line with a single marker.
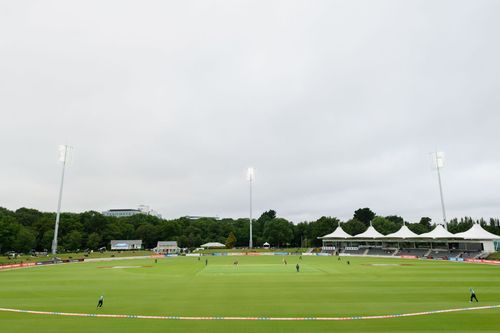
(28, 229)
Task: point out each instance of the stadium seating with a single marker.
(358, 252)
(470, 254)
(412, 252)
(377, 251)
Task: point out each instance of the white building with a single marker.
(167, 247)
(126, 244)
(142, 209)
(121, 212)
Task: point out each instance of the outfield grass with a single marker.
(246, 250)
(79, 255)
(259, 286)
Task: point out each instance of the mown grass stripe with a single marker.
(248, 318)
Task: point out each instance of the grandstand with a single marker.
(436, 244)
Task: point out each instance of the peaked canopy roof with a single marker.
(338, 233)
(213, 244)
(476, 232)
(438, 232)
(371, 232)
(404, 232)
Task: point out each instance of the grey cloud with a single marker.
(336, 103)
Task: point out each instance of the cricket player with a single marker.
(472, 295)
(101, 300)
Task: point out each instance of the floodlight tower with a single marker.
(439, 163)
(63, 157)
(250, 178)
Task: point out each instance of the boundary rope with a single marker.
(96, 315)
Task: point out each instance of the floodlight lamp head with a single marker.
(439, 159)
(63, 150)
(250, 174)
(65, 153)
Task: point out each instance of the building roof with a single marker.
(477, 232)
(337, 233)
(167, 243)
(213, 244)
(404, 232)
(371, 232)
(438, 232)
(128, 241)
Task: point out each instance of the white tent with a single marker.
(371, 232)
(477, 232)
(404, 232)
(337, 233)
(212, 245)
(438, 232)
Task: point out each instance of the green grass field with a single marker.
(258, 287)
(81, 255)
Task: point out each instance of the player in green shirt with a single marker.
(101, 300)
(472, 295)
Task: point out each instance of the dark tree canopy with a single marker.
(28, 229)
(364, 215)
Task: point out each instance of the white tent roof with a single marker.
(404, 232)
(476, 232)
(371, 232)
(438, 232)
(213, 244)
(337, 233)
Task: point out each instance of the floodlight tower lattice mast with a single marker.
(250, 178)
(439, 159)
(63, 157)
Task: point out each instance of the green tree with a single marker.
(148, 233)
(269, 215)
(73, 241)
(278, 232)
(9, 228)
(25, 240)
(94, 241)
(426, 223)
(321, 227)
(46, 240)
(354, 227)
(364, 215)
(417, 228)
(168, 230)
(398, 220)
(27, 216)
(259, 226)
(384, 226)
(300, 235)
(231, 240)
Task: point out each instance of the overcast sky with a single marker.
(337, 105)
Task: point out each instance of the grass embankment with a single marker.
(80, 255)
(494, 256)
